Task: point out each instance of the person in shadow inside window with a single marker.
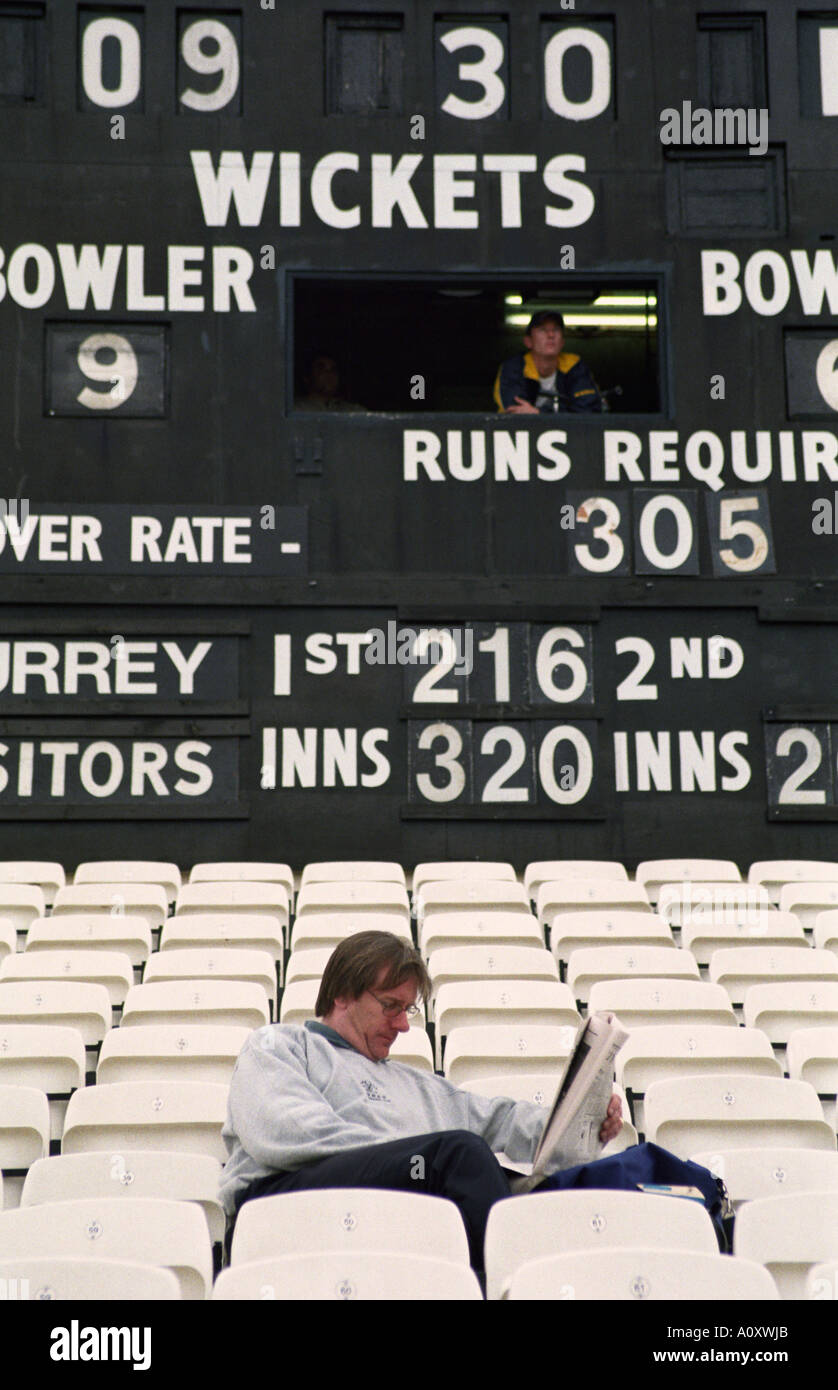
(323, 387)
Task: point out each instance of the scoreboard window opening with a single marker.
(402, 346)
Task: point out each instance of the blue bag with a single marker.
(648, 1164)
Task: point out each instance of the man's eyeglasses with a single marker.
(393, 1007)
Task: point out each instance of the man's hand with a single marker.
(521, 407)
(613, 1122)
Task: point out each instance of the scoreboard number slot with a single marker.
(800, 765)
(115, 368)
(476, 763)
(500, 663)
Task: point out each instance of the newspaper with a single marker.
(571, 1131)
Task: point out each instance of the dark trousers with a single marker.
(453, 1163)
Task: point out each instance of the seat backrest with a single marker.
(82, 1280)
(495, 1048)
(307, 965)
(778, 1009)
(92, 931)
(47, 1056)
(40, 873)
(732, 1110)
(24, 1127)
(349, 1219)
(588, 894)
(21, 903)
(549, 870)
(526, 1228)
(720, 902)
(68, 1003)
(353, 870)
(145, 1230)
(186, 1116)
(182, 1177)
(639, 1003)
(349, 1275)
(812, 1055)
(235, 929)
(704, 933)
(148, 900)
(740, 967)
(170, 1052)
(652, 873)
(788, 1235)
(243, 871)
(642, 1274)
(467, 927)
(749, 1173)
(349, 896)
(329, 928)
(572, 930)
(473, 1003)
(773, 873)
(452, 963)
(586, 965)
(113, 969)
(667, 1051)
(438, 871)
(196, 1001)
(266, 899)
(468, 894)
(168, 876)
(214, 963)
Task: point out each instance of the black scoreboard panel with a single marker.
(247, 614)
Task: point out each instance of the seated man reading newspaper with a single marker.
(324, 1106)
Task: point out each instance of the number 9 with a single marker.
(120, 374)
(224, 61)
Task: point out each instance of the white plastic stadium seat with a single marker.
(704, 935)
(182, 1177)
(717, 1112)
(468, 895)
(145, 1230)
(146, 900)
(298, 1001)
(113, 969)
(573, 930)
(458, 963)
(21, 903)
(45, 1279)
(740, 967)
(714, 901)
(473, 928)
(352, 896)
(349, 1219)
(307, 965)
(667, 1053)
(196, 1001)
(642, 1003)
(539, 1087)
(261, 899)
(826, 931)
(643, 1274)
(751, 1173)
(248, 931)
(47, 1057)
(171, 1052)
(185, 1116)
(475, 1002)
(91, 931)
(438, 871)
(550, 870)
(131, 871)
(63, 1002)
(652, 873)
(788, 1235)
(528, 1227)
(243, 871)
(353, 1275)
(589, 895)
(780, 1008)
(215, 963)
(593, 964)
(808, 900)
(24, 1126)
(812, 1055)
(330, 928)
(41, 873)
(352, 870)
(495, 1049)
(773, 873)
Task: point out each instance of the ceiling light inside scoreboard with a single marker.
(626, 301)
(577, 320)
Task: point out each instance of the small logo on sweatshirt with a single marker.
(373, 1092)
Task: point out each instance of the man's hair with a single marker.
(356, 963)
(545, 316)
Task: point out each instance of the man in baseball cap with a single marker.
(545, 378)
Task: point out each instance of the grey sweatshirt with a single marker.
(301, 1094)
